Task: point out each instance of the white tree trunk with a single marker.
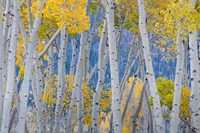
(1, 69)
(11, 70)
(61, 80)
(27, 75)
(195, 84)
(101, 79)
(117, 122)
(77, 85)
(91, 36)
(73, 61)
(40, 124)
(174, 123)
(149, 68)
(83, 78)
(3, 38)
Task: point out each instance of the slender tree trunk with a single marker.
(27, 75)
(135, 115)
(11, 70)
(128, 66)
(40, 124)
(178, 86)
(149, 68)
(1, 69)
(73, 61)
(195, 84)
(117, 122)
(61, 80)
(77, 84)
(130, 94)
(185, 68)
(101, 79)
(127, 74)
(3, 44)
(91, 36)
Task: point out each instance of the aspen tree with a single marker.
(117, 122)
(149, 68)
(11, 70)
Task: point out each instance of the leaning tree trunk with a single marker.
(27, 75)
(91, 36)
(11, 70)
(149, 68)
(178, 86)
(195, 84)
(117, 122)
(101, 78)
(61, 80)
(38, 104)
(77, 85)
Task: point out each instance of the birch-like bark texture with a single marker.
(73, 61)
(135, 115)
(117, 122)
(11, 70)
(27, 75)
(91, 36)
(40, 125)
(101, 79)
(128, 65)
(127, 74)
(185, 68)
(178, 86)
(3, 44)
(61, 80)
(130, 94)
(80, 82)
(37, 85)
(195, 82)
(6, 20)
(1, 69)
(149, 68)
(77, 84)
(49, 43)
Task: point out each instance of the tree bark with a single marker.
(77, 84)
(101, 79)
(117, 122)
(61, 80)
(1, 69)
(149, 68)
(178, 86)
(11, 70)
(195, 82)
(27, 75)
(73, 61)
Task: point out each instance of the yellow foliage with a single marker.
(70, 14)
(168, 16)
(49, 96)
(105, 99)
(45, 57)
(40, 47)
(166, 92)
(21, 72)
(20, 52)
(133, 103)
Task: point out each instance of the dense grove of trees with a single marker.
(54, 79)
